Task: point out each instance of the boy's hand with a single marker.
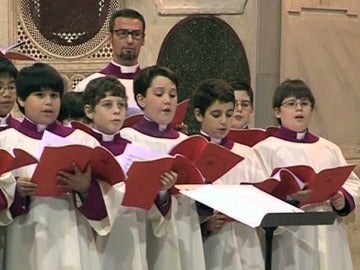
(216, 222)
(25, 187)
(302, 195)
(338, 201)
(77, 181)
(168, 179)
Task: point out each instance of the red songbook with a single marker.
(292, 179)
(54, 159)
(251, 136)
(8, 54)
(20, 159)
(143, 179)
(211, 159)
(180, 113)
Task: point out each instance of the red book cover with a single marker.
(21, 158)
(8, 54)
(211, 159)
(251, 136)
(143, 179)
(180, 113)
(6, 161)
(54, 159)
(292, 179)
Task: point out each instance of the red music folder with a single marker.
(292, 179)
(251, 136)
(9, 162)
(143, 179)
(54, 159)
(8, 54)
(211, 159)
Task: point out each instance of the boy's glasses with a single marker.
(245, 104)
(124, 33)
(293, 103)
(10, 89)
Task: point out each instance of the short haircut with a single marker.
(38, 77)
(72, 106)
(7, 68)
(145, 77)
(210, 91)
(292, 88)
(126, 13)
(99, 88)
(243, 86)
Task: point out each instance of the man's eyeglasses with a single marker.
(10, 89)
(245, 104)
(293, 103)
(124, 33)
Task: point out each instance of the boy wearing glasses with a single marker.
(8, 74)
(244, 100)
(126, 36)
(307, 247)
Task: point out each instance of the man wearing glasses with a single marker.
(127, 36)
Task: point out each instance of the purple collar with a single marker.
(114, 70)
(10, 123)
(152, 129)
(226, 142)
(30, 129)
(116, 146)
(289, 135)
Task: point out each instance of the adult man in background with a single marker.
(126, 36)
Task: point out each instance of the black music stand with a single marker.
(272, 220)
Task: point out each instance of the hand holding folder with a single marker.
(212, 160)
(293, 179)
(54, 159)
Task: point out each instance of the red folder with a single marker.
(6, 53)
(21, 158)
(251, 136)
(143, 179)
(54, 159)
(323, 184)
(180, 113)
(211, 159)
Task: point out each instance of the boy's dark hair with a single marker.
(243, 86)
(209, 91)
(71, 106)
(144, 78)
(292, 88)
(126, 13)
(7, 68)
(38, 77)
(99, 88)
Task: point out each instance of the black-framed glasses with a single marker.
(124, 33)
(10, 89)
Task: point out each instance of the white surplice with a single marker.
(309, 247)
(236, 246)
(53, 234)
(173, 242)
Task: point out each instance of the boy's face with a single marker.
(295, 114)
(7, 94)
(42, 107)
(217, 119)
(160, 102)
(243, 109)
(108, 115)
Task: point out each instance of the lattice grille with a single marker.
(41, 47)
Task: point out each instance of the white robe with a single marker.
(236, 246)
(174, 242)
(309, 247)
(53, 234)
